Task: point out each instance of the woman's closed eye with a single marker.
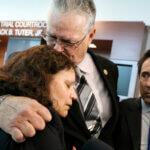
(70, 84)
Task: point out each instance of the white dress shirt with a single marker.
(89, 70)
(145, 124)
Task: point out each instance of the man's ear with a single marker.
(91, 35)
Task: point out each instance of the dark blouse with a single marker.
(51, 138)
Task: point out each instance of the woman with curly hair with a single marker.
(48, 76)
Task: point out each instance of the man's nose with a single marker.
(148, 82)
(58, 47)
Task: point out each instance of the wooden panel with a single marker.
(3, 47)
(127, 38)
(102, 46)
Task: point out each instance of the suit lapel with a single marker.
(133, 116)
(106, 74)
(107, 78)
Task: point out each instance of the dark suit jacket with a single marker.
(75, 129)
(51, 138)
(96, 144)
(129, 125)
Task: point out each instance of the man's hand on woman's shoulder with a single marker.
(22, 116)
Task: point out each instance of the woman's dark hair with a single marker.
(142, 60)
(29, 72)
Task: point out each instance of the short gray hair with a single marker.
(86, 7)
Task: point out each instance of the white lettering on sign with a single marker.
(30, 24)
(6, 32)
(7, 24)
(10, 32)
(23, 32)
(3, 31)
(23, 28)
(38, 33)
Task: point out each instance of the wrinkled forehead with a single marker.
(68, 24)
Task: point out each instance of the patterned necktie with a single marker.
(88, 104)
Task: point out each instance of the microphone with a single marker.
(96, 144)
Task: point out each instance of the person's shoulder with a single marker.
(100, 58)
(130, 103)
(52, 136)
(56, 121)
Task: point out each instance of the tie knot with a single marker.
(78, 71)
(78, 74)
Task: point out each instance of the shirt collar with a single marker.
(84, 65)
(145, 106)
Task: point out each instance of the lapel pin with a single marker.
(105, 72)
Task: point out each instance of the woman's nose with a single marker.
(74, 94)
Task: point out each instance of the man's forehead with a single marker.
(65, 33)
(146, 63)
(67, 22)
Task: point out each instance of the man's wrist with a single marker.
(3, 97)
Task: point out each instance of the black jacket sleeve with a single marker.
(51, 138)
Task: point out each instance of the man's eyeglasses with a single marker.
(66, 44)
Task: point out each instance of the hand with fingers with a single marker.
(22, 116)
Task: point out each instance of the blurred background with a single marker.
(123, 33)
(114, 10)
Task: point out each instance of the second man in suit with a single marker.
(134, 120)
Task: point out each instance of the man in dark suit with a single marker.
(134, 119)
(78, 133)
(70, 30)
